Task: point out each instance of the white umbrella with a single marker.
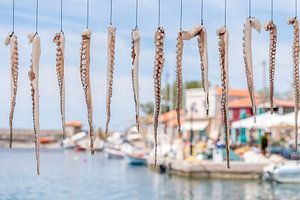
(287, 120)
(263, 121)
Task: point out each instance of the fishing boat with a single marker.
(98, 144)
(113, 153)
(79, 148)
(84, 144)
(283, 173)
(136, 159)
(46, 140)
(70, 142)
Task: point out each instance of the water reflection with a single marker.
(228, 189)
(69, 175)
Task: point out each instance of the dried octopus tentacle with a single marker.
(247, 50)
(202, 45)
(188, 35)
(135, 54)
(296, 47)
(86, 80)
(110, 70)
(201, 32)
(223, 49)
(34, 83)
(157, 73)
(271, 27)
(179, 53)
(12, 41)
(59, 40)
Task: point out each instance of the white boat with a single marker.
(99, 144)
(84, 144)
(283, 173)
(70, 142)
(114, 153)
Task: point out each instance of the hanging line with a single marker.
(158, 24)
(225, 14)
(61, 16)
(272, 10)
(36, 16)
(181, 15)
(201, 12)
(136, 13)
(87, 13)
(111, 12)
(296, 9)
(250, 8)
(13, 17)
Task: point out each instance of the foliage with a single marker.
(147, 108)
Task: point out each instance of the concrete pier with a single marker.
(210, 169)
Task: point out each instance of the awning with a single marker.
(263, 121)
(196, 125)
(287, 121)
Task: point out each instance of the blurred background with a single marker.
(191, 165)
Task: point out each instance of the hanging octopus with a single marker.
(12, 41)
(110, 70)
(271, 27)
(179, 53)
(86, 80)
(135, 54)
(294, 22)
(252, 23)
(34, 79)
(223, 49)
(201, 32)
(157, 73)
(202, 45)
(59, 40)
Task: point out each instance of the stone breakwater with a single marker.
(25, 137)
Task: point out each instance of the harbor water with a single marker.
(80, 176)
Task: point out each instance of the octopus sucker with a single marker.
(272, 28)
(252, 23)
(86, 80)
(59, 40)
(223, 36)
(201, 33)
(135, 54)
(33, 73)
(12, 41)
(296, 47)
(157, 74)
(179, 53)
(111, 40)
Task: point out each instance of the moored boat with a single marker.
(70, 142)
(284, 173)
(136, 159)
(114, 153)
(287, 174)
(79, 148)
(46, 140)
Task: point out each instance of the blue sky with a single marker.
(124, 20)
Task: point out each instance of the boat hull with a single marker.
(114, 153)
(132, 160)
(287, 173)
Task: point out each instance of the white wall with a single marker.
(197, 97)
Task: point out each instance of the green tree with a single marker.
(147, 108)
